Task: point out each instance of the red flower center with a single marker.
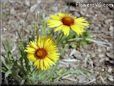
(41, 53)
(67, 20)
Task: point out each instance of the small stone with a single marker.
(4, 29)
(55, 8)
(109, 69)
(108, 48)
(77, 14)
(88, 55)
(76, 54)
(27, 2)
(22, 22)
(93, 55)
(82, 79)
(101, 60)
(99, 50)
(33, 8)
(111, 28)
(109, 55)
(12, 11)
(108, 21)
(72, 9)
(106, 59)
(24, 14)
(103, 69)
(111, 78)
(101, 55)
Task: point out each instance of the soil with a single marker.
(97, 57)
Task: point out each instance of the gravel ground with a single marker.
(19, 15)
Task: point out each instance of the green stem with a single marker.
(36, 32)
(59, 38)
(43, 28)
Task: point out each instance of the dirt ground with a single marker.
(97, 57)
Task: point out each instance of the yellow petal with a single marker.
(77, 29)
(59, 28)
(30, 50)
(54, 56)
(66, 30)
(37, 64)
(55, 17)
(81, 22)
(49, 45)
(40, 42)
(31, 57)
(33, 44)
(46, 64)
(54, 23)
(80, 19)
(42, 65)
(61, 14)
(49, 61)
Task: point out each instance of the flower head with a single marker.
(43, 52)
(65, 22)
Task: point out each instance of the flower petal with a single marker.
(59, 28)
(33, 44)
(42, 67)
(55, 17)
(40, 42)
(30, 50)
(60, 14)
(81, 22)
(54, 23)
(50, 62)
(37, 63)
(78, 29)
(66, 30)
(31, 57)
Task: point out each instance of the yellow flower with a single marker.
(42, 52)
(65, 22)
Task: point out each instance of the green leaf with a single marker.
(7, 73)
(22, 82)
